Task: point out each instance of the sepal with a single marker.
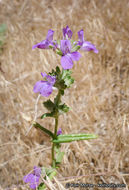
(59, 52)
(76, 48)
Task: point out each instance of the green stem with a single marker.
(56, 127)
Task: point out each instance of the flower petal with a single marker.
(65, 46)
(88, 46)
(81, 35)
(46, 89)
(67, 33)
(51, 79)
(50, 35)
(38, 86)
(66, 62)
(75, 56)
(28, 178)
(37, 171)
(34, 182)
(44, 74)
(42, 45)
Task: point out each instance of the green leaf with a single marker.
(58, 70)
(50, 172)
(63, 108)
(42, 186)
(76, 135)
(47, 115)
(69, 81)
(66, 76)
(37, 125)
(66, 73)
(55, 72)
(73, 137)
(59, 157)
(49, 105)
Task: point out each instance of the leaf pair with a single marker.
(65, 138)
(54, 108)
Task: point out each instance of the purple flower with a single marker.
(85, 45)
(45, 87)
(47, 42)
(67, 33)
(33, 178)
(59, 132)
(67, 56)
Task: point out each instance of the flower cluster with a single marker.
(33, 178)
(66, 47)
(45, 87)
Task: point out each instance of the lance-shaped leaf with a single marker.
(37, 125)
(73, 137)
(76, 135)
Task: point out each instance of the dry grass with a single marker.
(99, 98)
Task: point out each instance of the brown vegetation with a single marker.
(99, 98)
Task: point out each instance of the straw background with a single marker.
(99, 98)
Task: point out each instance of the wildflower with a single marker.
(67, 55)
(45, 87)
(59, 132)
(45, 44)
(67, 33)
(85, 45)
(33, 178)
